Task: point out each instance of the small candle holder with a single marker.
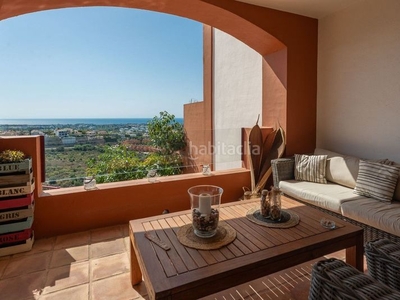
(152, 175)
(89, 183)
(205, 201)
(206, 170)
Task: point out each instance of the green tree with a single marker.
(166, 134)
(117, 163)
(164, 164)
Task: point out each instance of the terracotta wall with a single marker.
(196, 135)
(77, 209)
(197, 117)
(289, 70)
(74, 209)
(274, 71)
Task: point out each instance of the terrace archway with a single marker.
(287, 42)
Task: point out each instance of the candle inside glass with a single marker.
(205, 204)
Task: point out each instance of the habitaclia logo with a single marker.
(196, 151)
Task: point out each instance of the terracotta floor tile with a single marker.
(125, 229)
(338, 254)
(114, 288)
(109, 265)
(23, 287)
(68, 256)
(72, 240)
(41, 245)
(127, 242)
(110, 247)
(107, 233)
(80, 292)
(3, 265)
(67, 276)
(27, 264)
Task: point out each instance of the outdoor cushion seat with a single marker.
(374, 213)
(346, 195)
(329, 196)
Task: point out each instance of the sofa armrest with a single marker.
(282, 169)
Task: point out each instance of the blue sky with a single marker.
(99, 63)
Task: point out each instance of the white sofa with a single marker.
(337, 195)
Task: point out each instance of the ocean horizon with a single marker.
(75, 121)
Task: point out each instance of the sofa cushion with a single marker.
(310, 168)
(329, 196)
(376, 180)
(340, 169)
(374, 213)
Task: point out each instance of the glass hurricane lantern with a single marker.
(204, 202)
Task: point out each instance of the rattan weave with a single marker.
(383, 259)
(370, 233)
(334, 279)
(282, 169)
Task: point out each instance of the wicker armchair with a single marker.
(282, 169)
(334, 279)
(383, 260)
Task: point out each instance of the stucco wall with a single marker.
(237, 96)
(358, 80)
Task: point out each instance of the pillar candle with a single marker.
(205, 204)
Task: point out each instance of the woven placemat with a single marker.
(288, 218)
(225, 235)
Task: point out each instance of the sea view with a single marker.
(73, 146)
(67, 121)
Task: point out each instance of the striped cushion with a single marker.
(376, 180)
(310, 168)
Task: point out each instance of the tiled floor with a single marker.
(87, 265)
(94, 265)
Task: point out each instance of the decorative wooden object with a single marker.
(16, 207)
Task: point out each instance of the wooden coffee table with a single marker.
(187, 273)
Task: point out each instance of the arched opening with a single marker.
(98, 75)
(267, 31)
(275, 35)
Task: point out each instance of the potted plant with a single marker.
(16, 176)
(13, 161)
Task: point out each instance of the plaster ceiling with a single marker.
(311, 8)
